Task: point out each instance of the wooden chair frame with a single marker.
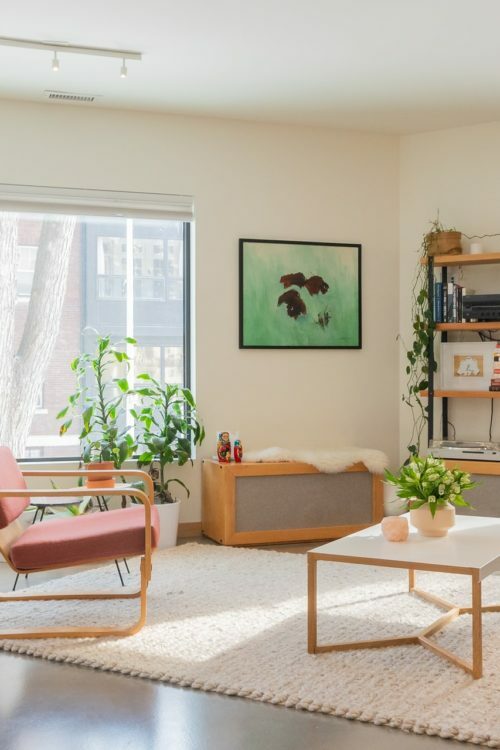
(14, 530)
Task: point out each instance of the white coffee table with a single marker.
(471, 548)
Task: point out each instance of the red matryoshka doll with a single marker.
(223, 448)
(238, 451)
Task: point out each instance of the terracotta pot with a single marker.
(444, 243)
(98, 480)
(426, 525)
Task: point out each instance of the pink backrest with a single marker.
(10, 479)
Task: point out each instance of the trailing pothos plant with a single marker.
(168, 430)
(99, 401)
(417, 359)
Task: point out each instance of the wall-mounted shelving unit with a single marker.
(444, 262)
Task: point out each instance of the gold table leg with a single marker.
(422, 637)
(312, 604)
(477, 629)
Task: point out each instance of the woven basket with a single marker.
(444, 243)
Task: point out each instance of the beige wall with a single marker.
(248, 180)
(458, 172)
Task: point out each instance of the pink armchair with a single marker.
(66, 542)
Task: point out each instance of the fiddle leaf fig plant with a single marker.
(99, 401)
(168, 430)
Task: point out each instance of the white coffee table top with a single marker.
(472, 544)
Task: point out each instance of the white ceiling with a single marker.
(395, 66)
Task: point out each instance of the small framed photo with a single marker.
(467, 366)
(300, 295)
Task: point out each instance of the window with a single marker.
(25, 269)
(149, 271)
(115, 275)
(165, 363)
(33, 453)
(111, 268)
(39, 402)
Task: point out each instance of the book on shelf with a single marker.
(438, 301)
(447, 302)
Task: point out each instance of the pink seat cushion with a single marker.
(70, 541)
(10, 479)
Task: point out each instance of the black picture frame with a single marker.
(292, 310)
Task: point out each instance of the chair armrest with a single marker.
(79, 492)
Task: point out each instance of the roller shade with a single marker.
(79, 202)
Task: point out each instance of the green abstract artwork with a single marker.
(300, 295)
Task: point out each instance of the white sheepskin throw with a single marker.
(329, 462)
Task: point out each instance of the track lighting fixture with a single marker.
(62, 47)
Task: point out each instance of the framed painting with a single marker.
(467, 365)
(300, 295)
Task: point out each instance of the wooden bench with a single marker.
(268, 503)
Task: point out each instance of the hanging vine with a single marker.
(423, 329)
(417, 361)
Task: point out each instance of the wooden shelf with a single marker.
(492, 325)
(465, 259)
(462, 394)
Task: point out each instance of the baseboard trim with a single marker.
(189, 529)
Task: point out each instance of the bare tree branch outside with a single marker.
(23, 368)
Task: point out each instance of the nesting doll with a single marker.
(223, 448)
(238, 451)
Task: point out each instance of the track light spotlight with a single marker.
(123, 70)
(55, 62)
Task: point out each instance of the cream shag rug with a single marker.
(233, 621)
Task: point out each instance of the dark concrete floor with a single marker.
(49, 706)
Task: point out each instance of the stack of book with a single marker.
(447, 302)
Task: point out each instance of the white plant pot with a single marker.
(421, 518)
(393, 505)
(169, 523)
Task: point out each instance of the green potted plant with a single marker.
(168, 430)
(430, 492)
(99, 401)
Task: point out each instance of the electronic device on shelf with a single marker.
(481, 307)
(458, 450)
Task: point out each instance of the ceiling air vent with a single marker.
(67, 96)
